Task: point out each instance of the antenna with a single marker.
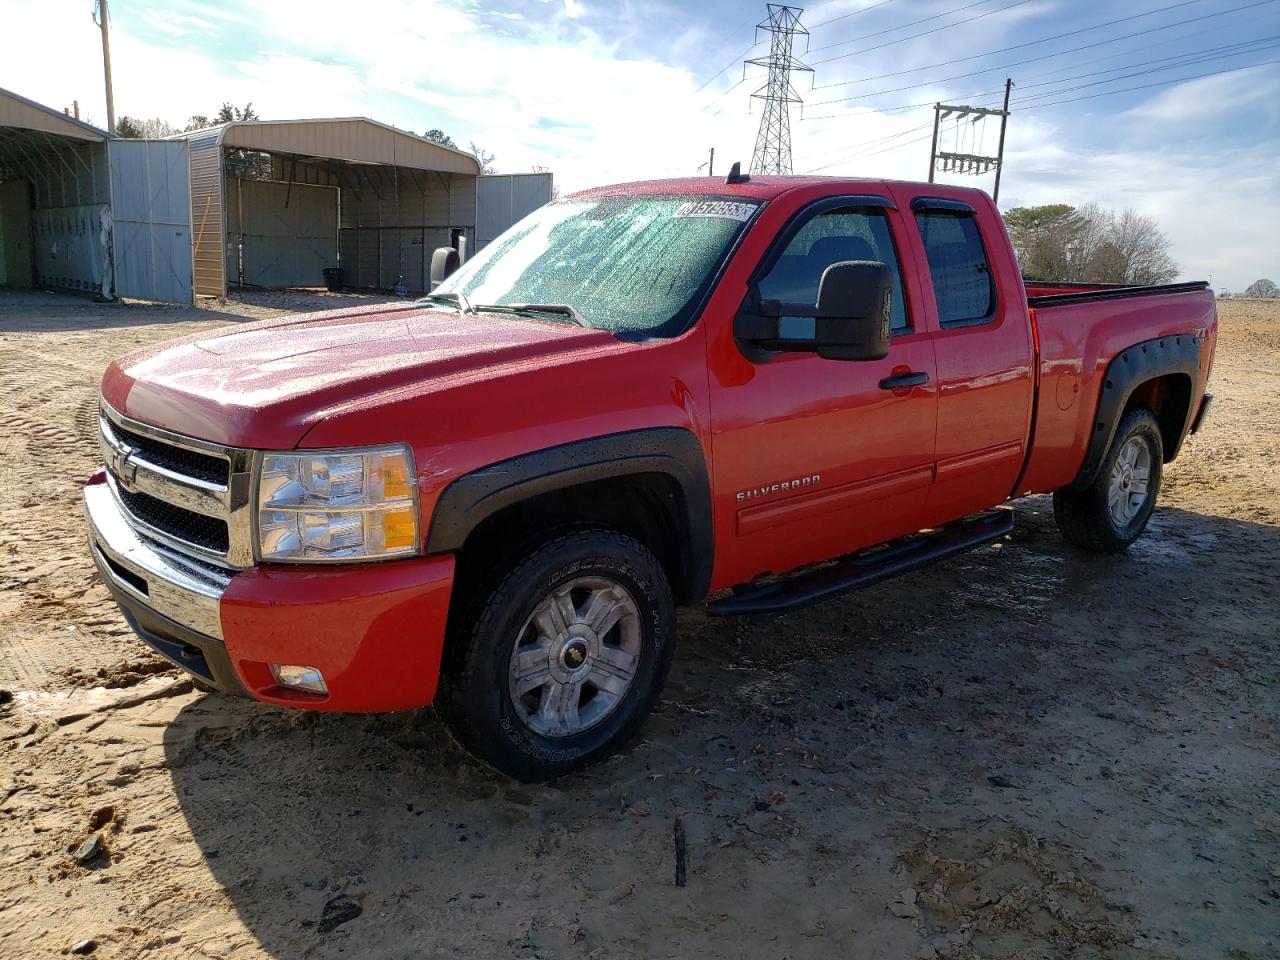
(736, 175)
(772, 154)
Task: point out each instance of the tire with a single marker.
(1111, 513)
(521, 632)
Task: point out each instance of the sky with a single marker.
(1174, 111)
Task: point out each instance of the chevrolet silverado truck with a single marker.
(750, 394)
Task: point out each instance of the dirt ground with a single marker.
(1026, 752)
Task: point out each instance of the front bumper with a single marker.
(376, 631)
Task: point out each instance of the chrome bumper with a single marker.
(184, 591)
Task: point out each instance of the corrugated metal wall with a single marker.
(70, 217)
(207, 221)
(392, 220)
(280, 234)
(151, 213)
(504, 199)
(71, 248)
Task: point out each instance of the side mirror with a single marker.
(444, 261)
(851, 320)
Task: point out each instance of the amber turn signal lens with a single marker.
(398, 529)
(395, 476)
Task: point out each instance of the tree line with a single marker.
(1089, 245)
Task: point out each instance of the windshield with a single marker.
(630, 265)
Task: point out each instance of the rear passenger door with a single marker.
(984, 354)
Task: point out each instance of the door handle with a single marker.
(900, 381)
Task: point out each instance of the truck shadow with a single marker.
(792, 750)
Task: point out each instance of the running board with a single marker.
(864, 569)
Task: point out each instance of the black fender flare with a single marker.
(1128, 370)
(671, 451)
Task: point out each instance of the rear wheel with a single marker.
(1113, 511)
(562, 660)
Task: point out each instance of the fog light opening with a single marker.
(294, 676)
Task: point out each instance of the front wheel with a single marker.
(563, 660)
(1112, 512)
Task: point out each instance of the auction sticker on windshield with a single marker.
(722, 209)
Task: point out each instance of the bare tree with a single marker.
(135, 128)
(1143, 248)
(1058, 242)
(485, 157)
(1263, 289)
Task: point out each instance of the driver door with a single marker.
(815, 458)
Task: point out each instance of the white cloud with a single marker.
(564, 95)
(176, 24)
(1211, 97)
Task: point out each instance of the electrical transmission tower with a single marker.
(772, 154)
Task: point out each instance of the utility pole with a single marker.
(1004, 122)
(711, 163)
(957, 162)
(772, 154)
(933, 150)
(102, 19)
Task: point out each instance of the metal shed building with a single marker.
(275, 202)
(54, 199)
(503, 199)
(83, 211)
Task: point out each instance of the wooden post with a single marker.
(104, 21)
(1004, 122)
(933, 150)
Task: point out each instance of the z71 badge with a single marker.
(784, 486)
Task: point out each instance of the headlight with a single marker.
(317, 507)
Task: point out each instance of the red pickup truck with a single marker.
(749, 393)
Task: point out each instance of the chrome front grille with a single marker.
(189, 495)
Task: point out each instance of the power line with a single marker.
(1148, 86)
(1059, 36)
(901, 26)
(1255, 46)
(925, 33)
(961, 76)
(867, 143)
(1094, 96)
(846, 16)
(736, 60)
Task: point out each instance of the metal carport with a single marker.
(55, 195)
(274, 202)
(84, 211)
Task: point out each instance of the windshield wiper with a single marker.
(563, 309)
(464, 305)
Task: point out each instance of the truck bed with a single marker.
(1079, 329)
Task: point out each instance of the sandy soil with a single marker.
(1026, 752)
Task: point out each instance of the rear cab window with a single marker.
(963, 287)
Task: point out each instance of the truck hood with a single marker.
(264, 385)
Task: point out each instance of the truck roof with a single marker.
(761, 187)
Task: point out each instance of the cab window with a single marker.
(832, 237)
(958, 267)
